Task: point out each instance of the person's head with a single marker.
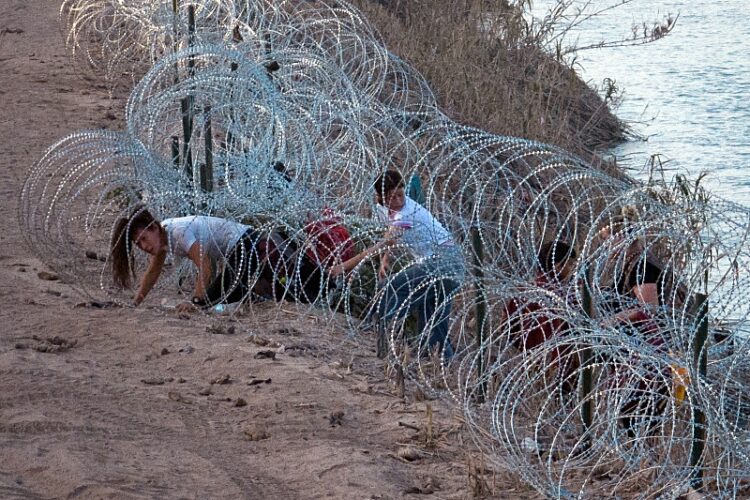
(557, 258)
(620, 224)
(389, 190)
(141, 229)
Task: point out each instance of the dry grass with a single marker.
(487, 71)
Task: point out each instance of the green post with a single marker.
(176, 151)
(700, 365)
(236, 37)
(186, 103)
(230, 137)
(175, 12)
(207, 170)
(191, 36)
(481, 307)
(586, 358)
(187, 132)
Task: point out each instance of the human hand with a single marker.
(185, 307)
(382, 271)
(392, 235)
(389, 240)
(336, 270)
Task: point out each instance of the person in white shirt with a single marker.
(427, 283)
(207, 241)
(231, 259)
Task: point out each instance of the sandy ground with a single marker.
(139, 403)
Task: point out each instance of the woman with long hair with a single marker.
(226, 254)
(204, 240)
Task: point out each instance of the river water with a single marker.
(688, 93)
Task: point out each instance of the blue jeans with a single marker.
(425, 288)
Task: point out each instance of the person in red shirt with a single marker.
(532, 323)
(643, 384)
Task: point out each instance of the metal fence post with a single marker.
(587, 386)
(207, 169)
(481, 307)
(186, 103)
(700, 365)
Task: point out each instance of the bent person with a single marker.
(645, 383)
(533, 323)
(231, 259)
(207, 241)
(426, 285)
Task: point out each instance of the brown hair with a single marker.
(387, 182)
(554, 253)
(121, 249)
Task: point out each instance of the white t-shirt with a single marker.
(421, 232)
(216, 236)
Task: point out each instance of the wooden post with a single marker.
(481, 307)
(700, 365)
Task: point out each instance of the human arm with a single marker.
(350, 264)
(384, 266)
(391, 235)
(150, 277)
(185, 239)
(628, 316)
(202, 262)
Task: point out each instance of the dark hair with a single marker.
(387, 182)
(553, 253)
(121, 249)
